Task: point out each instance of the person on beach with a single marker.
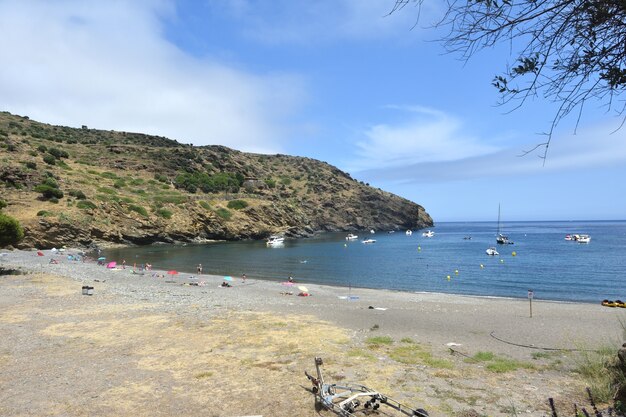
(225, 284)
(123, 263)
(243, 277)
(290, 279)
(199, 268)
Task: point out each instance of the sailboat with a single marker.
(500, 238)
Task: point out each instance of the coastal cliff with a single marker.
(70, 186)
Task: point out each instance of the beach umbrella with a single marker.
(111, 264)
(102, 258)
(227, 278)
(39, 253)
(172, 272)
(303, 288)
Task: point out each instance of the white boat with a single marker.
(428, 233)
(570, 237)
(372, 231)
(275, 240)
(492, 251)
(409, 232)
(583, 239)
(369, 241)
(351, 237)
(500, 238)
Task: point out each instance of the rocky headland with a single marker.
(81, 186)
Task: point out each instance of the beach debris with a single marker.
(377, 308)
(452, 344)
(348, 297)
(346, 400)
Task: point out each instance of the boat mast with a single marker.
(498, 219)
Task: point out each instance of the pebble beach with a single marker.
(163, 344)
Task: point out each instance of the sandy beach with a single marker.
(162, 346)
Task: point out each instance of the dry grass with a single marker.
(98, 356)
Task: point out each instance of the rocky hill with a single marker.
(71, 186)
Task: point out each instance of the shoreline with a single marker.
(48, 252)
(442, 294)
(427, 304)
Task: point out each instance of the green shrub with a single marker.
(11, 232)
(270, 183)
(379, 340)
(3, 204)
(136, 181)
(78, 194)
(161, 178)
(42, 148)
(285, 181)
(223, 213)
(58, 153)
(165, 213)
(600, 371)
(119, 183)
(44, 213)
(138, 209)
(107, 190)
(204, 205)
(51, 182)
(237, 204)
(63, 165)
(85, 204)
(109, 175)
(49, 192)
(31, 165)
(49, 159)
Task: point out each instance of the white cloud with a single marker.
(108, 65)
(426, 135)
(455, 160)
(306, 22)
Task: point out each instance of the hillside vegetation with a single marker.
(85, 186)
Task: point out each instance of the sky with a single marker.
(343, 81)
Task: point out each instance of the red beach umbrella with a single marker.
(172, 272)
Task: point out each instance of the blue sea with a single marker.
(555, 269)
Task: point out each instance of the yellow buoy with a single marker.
(514, 253)
(456, 272)
(448, 277)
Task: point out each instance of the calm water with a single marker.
(554, 268)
